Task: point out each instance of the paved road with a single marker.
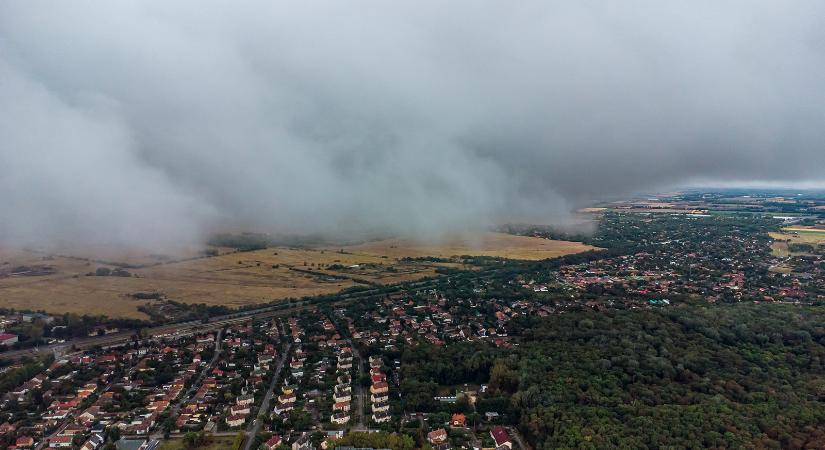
(255, 427)
(360, 394)
(68, 421)
(196, 384)
(59, 430)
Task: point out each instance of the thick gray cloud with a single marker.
(154, 121)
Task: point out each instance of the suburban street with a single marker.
(360, 392)
(67, 421)
(173, 411)
(255, 426)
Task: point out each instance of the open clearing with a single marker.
(796, 235)
(58, 284)
(215, 443)
(498, 245)
(808, 233)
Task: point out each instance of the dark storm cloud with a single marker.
(136, 121)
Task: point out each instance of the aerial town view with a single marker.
(412, 225)
(707, 299)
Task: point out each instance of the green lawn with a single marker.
(215, 443)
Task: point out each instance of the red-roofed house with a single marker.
(500, 436)
(61, 442)
(458, 420)
(8, 339)
(24, 442)
(437, 436)
(273, 443)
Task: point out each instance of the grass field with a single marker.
(215, 443)
(60, 284)
(796, 235)
(779, 248)
(806, 233)
(479, 244)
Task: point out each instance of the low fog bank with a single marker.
(153, 124)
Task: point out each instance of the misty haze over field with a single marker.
(153, 122)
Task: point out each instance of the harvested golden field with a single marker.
(592, 210)
(67, 283)
(779, 247)
(233, 279)
(796, 235)
(810, 232)
(130, 257)
(499, 245)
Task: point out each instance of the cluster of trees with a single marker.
(298, 419)
(245, 242)
(796, 247)
(695, 375)
(182, 311)
(66, 326)
(381, 439)
(107, 272)
(725, 376)
(13, 378)
(425, 368)
(195, 440)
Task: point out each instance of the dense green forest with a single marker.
(691, 376)
(738, 376)
(730, 374)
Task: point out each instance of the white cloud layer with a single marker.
(137, 121)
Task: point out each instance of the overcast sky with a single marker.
(135, 121)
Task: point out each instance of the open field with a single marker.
(233, 280)
(215, 443)
(796, 235)
(806, 231)
(479, 244)
(58, 284)
(592, 210)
